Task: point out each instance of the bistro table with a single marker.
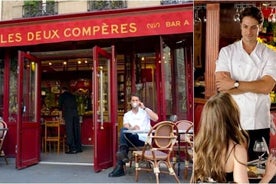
(136, 131)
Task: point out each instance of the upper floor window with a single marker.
(35, 8)
(165, 2)
(105, 5)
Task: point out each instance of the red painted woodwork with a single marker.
(198, 104)
(87, 132)
(189, 82)
(28, 122)
(105, 133)
(89, 26)
(212, 47)
(10, 140)
(110, 132)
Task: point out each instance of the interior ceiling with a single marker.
(63, 54)
(69, 60)
(81, 51)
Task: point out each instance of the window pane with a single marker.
(13, 91)
(180, 81)
(29, 96)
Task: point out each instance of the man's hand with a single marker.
(136, 127)
(128, 126)
(223, 81)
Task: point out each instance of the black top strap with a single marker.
(230, 153)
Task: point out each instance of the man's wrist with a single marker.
(236, 84)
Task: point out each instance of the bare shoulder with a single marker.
(240, 154)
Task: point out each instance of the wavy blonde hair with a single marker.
(219, 123)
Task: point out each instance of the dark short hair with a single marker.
(136, 95)
(64, 88)
(253, 12)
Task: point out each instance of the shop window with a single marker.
(180, 77)
(39, 8)
(175, 82)
(168, 79)
(13, 91)
(145, 83)
(105, 5)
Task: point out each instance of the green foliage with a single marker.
(32, 3)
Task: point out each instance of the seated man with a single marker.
(138, 118)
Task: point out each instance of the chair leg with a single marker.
(63, 144)
(186, 167)
(136, 168)
(7, 163)
(2, 153)
(185, 173)
(45, 146)
(156, 170)
(125, 169)
(157, 177)
(172, 172)
(58, 147)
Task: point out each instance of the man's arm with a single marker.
(225, 83)
(128, 126)
(153, 116)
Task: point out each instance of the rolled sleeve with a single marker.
(270, 68)
(222, 63)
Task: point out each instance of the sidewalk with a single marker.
(48, 173)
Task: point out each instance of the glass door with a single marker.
(28, 111)
(175, 72)
(104, 103)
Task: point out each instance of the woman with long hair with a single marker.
(221, 144)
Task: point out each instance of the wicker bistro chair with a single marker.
(184, 144)
(3, 133)
(157, 150)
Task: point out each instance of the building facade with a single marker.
(103, 51)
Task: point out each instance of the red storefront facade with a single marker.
(146, 50)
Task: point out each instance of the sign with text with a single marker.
(97, 28)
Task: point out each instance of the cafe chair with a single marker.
(3, 133)
(157, 150)
(52, 134)
(131, 149)
(184, 144)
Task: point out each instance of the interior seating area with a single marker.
(53, 136)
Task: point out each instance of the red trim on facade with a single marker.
(94, 27)
(103, 13)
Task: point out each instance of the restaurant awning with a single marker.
(161, 20)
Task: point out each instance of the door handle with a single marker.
(23, 108)
(101, 98)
